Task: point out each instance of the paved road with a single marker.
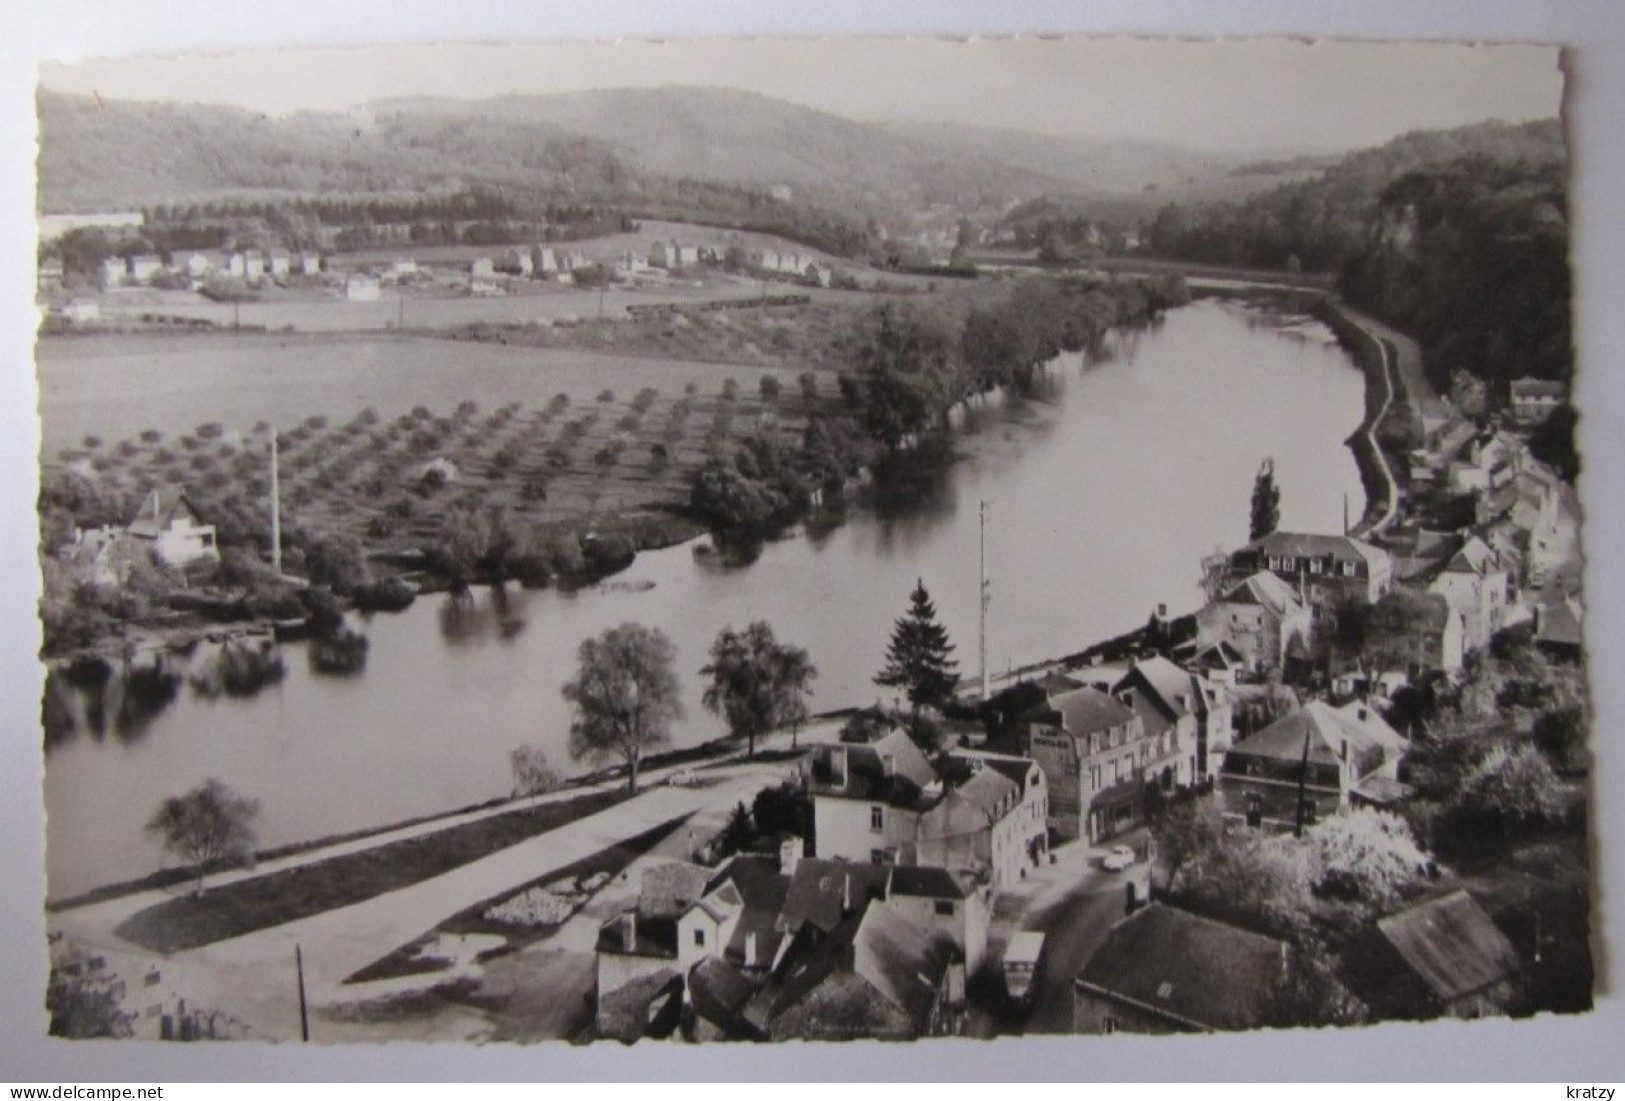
(253, 975)
(1072, 929)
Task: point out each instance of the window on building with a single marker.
(699, 938)
(944, 909)
(1108, 1025)
(877, 819)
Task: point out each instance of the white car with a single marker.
(1117, 858)
(682, 778)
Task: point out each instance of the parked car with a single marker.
(682, 778)
(1117, 858)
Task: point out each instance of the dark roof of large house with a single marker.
(1560, 625)
(1342, 548)
(1191, 970)
(1083, 712)
(1452, 944)
(926, 881)
(1326, 728)
(762, 889)
(1169, 684)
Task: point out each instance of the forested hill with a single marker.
(611, 145)
(1319, 224)
(729, 135)
(116, 155)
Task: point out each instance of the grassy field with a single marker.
(261, 902)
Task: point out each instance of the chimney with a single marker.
(631, 929)
(1361, 713)
(887, 765)
(790, 853)
(750, 949)
(1343, 749)
(155, 504)
(846, 893)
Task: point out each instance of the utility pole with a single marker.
(984, 594)
(304, 1012)
(1345, 514)
(1303, 784)
(276, 510)
(400, 312)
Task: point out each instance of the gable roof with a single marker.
(761, 890)
(1474, 557)
(1266, 590)
(1326, 728)
(1169, 685)
(669, 889)
(891, 769)
(927, 881)
(1083, 712)
(1452, 944)
(821, 891)
(1192, 970)
(1342, 548)
(159, 509)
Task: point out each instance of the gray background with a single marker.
(1570, 1050)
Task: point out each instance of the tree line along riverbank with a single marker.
(376, 509)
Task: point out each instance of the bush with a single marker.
(1513, 789)
(389, 595)
(606, 396)
(532, 775)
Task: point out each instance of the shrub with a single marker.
(532, 775)
(606, 396)
(771, 387)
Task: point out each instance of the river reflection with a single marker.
(1108, 478)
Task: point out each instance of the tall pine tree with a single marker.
(1266, 516)
(920, 657)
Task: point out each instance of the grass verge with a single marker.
(264, 901)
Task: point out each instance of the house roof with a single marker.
(1452, 944)
(1266, 590)
(1018, 770)
(889, 770)
(669, 889)
(1560, 624)
(1221, 655)
(625, 934)
(821, 892)
(1192, 970)
(1083, 712)
(1342, 548)
(1170, 686)
(926, 881)
(991, 791)
(761, 889)
(1326, 728)
(159, 509)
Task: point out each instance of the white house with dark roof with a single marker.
(174, 529)
(885, 803)
(1088, 745)
(1478, 587)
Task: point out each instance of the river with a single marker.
(1105, 486)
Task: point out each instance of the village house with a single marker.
(481, 267)
(1559, 628)
(885, 803)
(308, 263)
(751, 946)
(543, 261)
(516, 261)
(1455, 961)
(174, 529)
(1491, 460)
(193, 264)
(1088, 744)
(402, 267)
(278, 262)
(111, 273)
(1321, 567)
(82, 311)
(253, 265)
(144, 267)
(236, 265)
(361, 288)
(1165, 698)
(1162, 970)
(1478, 588)
(1260, 619)
(1319, 756)
(1535, 399)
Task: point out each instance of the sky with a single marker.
(1260, 95)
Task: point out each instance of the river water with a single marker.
(1105, 486)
